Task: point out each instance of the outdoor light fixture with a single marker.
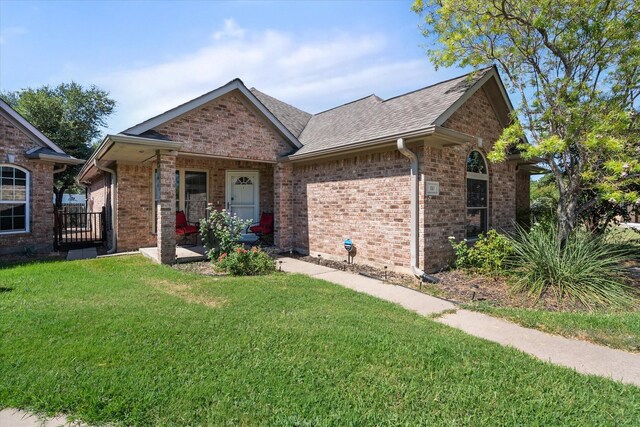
(11, 158)
(348, 245)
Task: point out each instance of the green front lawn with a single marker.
(122, 340)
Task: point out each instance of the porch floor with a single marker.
(183, 253)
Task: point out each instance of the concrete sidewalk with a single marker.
(582, 356)
(18, 418)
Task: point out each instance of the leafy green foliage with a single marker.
(586, 267)
(486, 256)
(544, 199)
(246, 262)
(576, 67)
(122, 341)
(70, 115)
(221, 232)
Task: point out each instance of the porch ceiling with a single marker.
(126, 148)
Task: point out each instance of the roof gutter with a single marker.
(450, 136)
(414, 217)
(55, 159)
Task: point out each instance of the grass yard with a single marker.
(124, 341)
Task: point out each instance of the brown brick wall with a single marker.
(364, 198)
(134, 196)
(98, 193)
(40, 238)
(445, 214)
(227, 127)
(166, 208)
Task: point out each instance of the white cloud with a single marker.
(312, 74)
(231, 29)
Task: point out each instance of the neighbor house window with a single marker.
(477, 194)
(191, 194)
(14, 199)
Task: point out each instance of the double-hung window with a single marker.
(14, 199)
(477, 195)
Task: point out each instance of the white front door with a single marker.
(243, 194)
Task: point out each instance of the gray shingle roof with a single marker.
(372, 118)
(293, 118)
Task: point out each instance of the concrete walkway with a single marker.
(582, 356)
(85, 253)
(18, 418)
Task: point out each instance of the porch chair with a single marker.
(183, 228)
(263, 229)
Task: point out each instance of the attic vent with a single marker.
(244, 180)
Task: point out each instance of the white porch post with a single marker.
(166, 207)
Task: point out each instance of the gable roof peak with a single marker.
(180, 110)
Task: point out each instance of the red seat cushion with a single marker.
(260, 229)
(187, 229)
(181, 219)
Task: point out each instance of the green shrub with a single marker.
(486, 256)
(243, 262)
(588, 268)
(221, 232)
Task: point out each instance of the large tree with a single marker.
(70, 115)
(575, 66)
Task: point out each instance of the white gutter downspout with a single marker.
(414, 218)
(113, 204)
(62, 169)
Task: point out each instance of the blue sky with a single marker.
(154, 55)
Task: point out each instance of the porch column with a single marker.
(166, 207)
(283, 206)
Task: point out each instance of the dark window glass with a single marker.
(475, 163)
(195, 193)
(13, 199)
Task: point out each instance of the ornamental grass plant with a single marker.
(588, 268)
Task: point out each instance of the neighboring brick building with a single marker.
(343, 173)
(28, 162)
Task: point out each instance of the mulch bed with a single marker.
(457, 286)
(454, 285)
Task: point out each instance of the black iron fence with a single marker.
(79, 229)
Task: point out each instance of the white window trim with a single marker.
(480, 177)
(27, 210)
(181, 195)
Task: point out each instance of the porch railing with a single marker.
(79, 229)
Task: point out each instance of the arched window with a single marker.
(477, 194)
(14, 199)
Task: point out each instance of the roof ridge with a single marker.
(26, 124)
(252, 89)
(480, 72)
(350, 102)
(177, 107)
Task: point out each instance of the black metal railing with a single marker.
(77, 229)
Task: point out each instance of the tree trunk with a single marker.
(59, 193)
(567, 213)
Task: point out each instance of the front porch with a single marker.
(154, 184)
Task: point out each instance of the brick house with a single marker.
(396, 176)
(28, 162)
